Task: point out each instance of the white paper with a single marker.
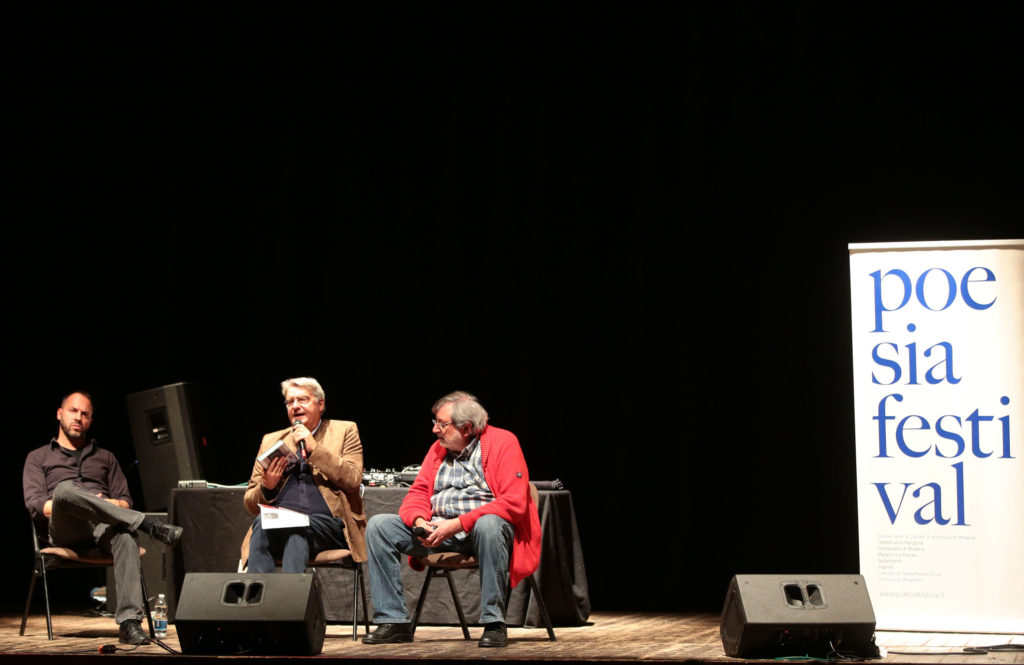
(281, 518)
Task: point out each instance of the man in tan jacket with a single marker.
(319, 476)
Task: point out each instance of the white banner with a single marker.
(938, 361)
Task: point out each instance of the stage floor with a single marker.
(610, 637)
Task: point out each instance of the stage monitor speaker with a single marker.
(168, 432)
(250, 613)
(772, 616)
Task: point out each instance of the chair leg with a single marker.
(356, 587)
(458, 603)
(28, 602)
(46, 597)
(423, 597)
(535, 590)
(145, 604)
(362, 594)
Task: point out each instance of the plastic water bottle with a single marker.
(160, 616)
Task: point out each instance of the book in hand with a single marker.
(279, 449)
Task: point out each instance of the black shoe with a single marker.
(494, 635)
(130, 632)
(168, 534)
(390, 633)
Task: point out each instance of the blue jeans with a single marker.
(293, 546)
(388, 539)
(80, 517)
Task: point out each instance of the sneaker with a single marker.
(390, 633)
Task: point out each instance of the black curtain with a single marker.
(626, 232)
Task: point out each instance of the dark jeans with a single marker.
(293, 547)
(80, 518)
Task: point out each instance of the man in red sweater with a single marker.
(472, 495)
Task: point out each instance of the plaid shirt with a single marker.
(460, 485)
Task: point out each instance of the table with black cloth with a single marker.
(215, 521)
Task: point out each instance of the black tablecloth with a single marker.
(215, 521)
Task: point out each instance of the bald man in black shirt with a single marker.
(80, 490)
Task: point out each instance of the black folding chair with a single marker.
(50, 558)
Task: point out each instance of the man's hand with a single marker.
(440, 531)
(420, 522)
(300, 433)
(272, 476)
(117, 502)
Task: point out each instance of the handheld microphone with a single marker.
(420, 532)
(302, 442)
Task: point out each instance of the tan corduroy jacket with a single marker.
(337, 465)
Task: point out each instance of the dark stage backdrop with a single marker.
(625, 232)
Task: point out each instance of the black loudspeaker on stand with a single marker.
(251, 614)
(772, 616)
(169, 432)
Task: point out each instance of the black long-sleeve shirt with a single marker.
(96, 470)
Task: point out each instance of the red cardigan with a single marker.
(506, 474)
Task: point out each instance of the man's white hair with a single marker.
(305, 382)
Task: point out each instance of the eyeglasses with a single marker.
(301, 401)
(440, 424)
